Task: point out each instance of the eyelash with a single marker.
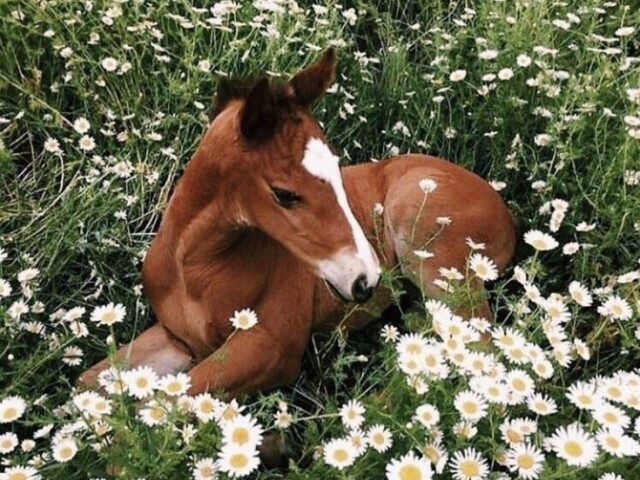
(285, 198)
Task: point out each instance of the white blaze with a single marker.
(322, 163)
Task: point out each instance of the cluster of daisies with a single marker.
(160, 401)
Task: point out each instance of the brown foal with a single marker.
(263, 218)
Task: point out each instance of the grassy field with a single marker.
(101, 105)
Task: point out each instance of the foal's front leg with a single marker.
(249, 361)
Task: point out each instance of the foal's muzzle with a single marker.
(361, 291)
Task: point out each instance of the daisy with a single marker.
(351, 414)
(237, 461)
(542, 404)
(242, 431)
(81, 125)
(616, 443)
(520, 382)
(610, 416)
(540, 241)
(11, 409)
(473, 245)
(409, 466)
(112, 381)
(110, 64)
(379, 438)
(52, 145)
(469, 465)
(244, 319)
(470, 405)
(20, 473)
(72, 356)
(226, 412)
(8, 441)
(204, 469)
(457, 75)
(427, 415)
(610, 476)
(339, 453)
(556, 310)
(505, 74)
(526, 460)
(27, 275)
(428, 185)
(616, 308)
(423, 254)
(436, 455)
(5, 288)
(411, 344)
(108, 314)
(389, 333)
(175, 385)
(141, 381)
(64, 449)
(153, 414)
(204, 407)
(87, 143)
(484, 268)
(611, 389)
(573, 445)
(584, 395)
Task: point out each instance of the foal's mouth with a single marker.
(335, 293)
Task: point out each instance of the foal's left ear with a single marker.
(310, 83)
(258, 116)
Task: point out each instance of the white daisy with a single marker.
(484, 268)
(379, 438)
(205, 407)
(409, 466)
(469, 465)
(470, 405)
(573, 445)
(175, 385)
(87, 143)
(8, 442)
(542, 404)
(457, 75)
(339, 453)
(242, 431)
(108, 314)
(428, 185)
(204, 469)
(610, 416)
(81, 125)
(244, 319)
(141, 381)
(351, 414)
(154, 413)
(20, 473)
(540, 241)
(584, 395)
(526, 460)
(5, 288)
(237, 461)
(110, 64)
(64, 449)
(428, 415)
(11, 409)
(616, 443)
(616, 308)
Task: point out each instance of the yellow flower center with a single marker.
(206, 407)
(518, 384)
(469, 407)
(573, 449)
(10, 413)
(540, 406)
(6, 443)
(207, 471)
(617, 309)
(377, 438)
(584, 399)
(174, 387)
(525, 461)
(507, 340)
(478, 365)
(493, 391)
(430, 360)
(432, 453)
(142, 382)
(613, 442)
(614, 392)
(469, 468)
(17, 476)
(157, 413)
(539, 244)
(409, 472)
(66, 452)
(414, 348)
(240, 436)
(513, 436)
(340, 455)
(108, 317)
(238, 460)
(610, 417)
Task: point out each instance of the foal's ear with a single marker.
(258, 118)
(310, 83)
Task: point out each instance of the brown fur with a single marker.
(224, 244)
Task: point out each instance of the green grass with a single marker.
(58, 211)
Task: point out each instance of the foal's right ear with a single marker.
(258, 117)
(309, 84)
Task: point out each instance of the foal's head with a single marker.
(281, 176)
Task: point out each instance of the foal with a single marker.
(263, 218)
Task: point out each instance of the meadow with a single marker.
(101, 105)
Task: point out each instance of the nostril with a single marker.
(360, 291)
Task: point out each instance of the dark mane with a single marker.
(239, 88)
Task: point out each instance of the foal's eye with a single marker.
(285, 198)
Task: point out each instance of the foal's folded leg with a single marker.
(249, 361)
(155, 347)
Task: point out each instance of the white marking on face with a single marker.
(322, 163)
